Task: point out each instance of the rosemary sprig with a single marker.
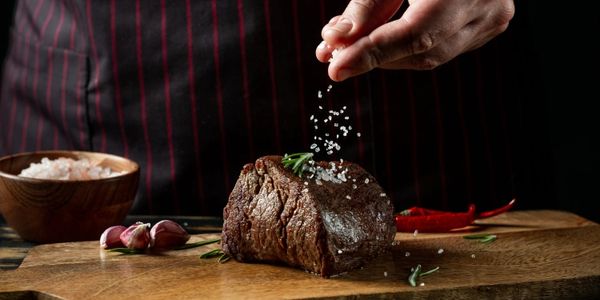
(296, 161)
(417, 273)
(197, 244)
(482, 237)
(127, 251)
(218, 253)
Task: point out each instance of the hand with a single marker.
(428, 34)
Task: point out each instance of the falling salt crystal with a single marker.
(366, 180)
(358, 134)
(305, 190)
(407, 254)
(347, 118)
(320, 107)
(348, 197)
(312, 117)
(385, 274)
(340, 251)
(415, 233)
(422, 284)
(319, 94)
(329, 87)
(472, 255)
(354, 186)
(313, 146)
(440, 251)
(382, 195)
(306, 183)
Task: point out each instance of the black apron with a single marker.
(193, 90)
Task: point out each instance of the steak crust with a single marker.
(323, 227)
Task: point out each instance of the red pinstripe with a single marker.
(503, 118)
(21, 75)
(168, 114)
(274, 100)
(465, 134)
(96, 76)
(38, 144)
(359, 125)
(192, 85)
(440, 138)
(80, 105)
(414, 141)
(78, 90)
(484, 128)
(219, 92)
(62, 91)
(386, 131)
(23, 145)
(246, 89)
(143, 110)
(117, 82)
(299, 72)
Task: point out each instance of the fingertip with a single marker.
(338, 74)
(338, 32)
(333, 75)
(323, 52)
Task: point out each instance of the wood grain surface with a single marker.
(538, 255)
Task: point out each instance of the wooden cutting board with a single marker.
(538, 255)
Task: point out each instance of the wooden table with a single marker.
(539, 254)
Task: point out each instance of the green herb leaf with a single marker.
(197, 244)
(417, 273)
(412, 278)
(296, 161)
(218, 253)
(429, 272)
(127, 251)
(482, 237)
(223, 258)
(212, 253)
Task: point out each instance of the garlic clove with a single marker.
(136, 236)
(167, 234)
(110, 238)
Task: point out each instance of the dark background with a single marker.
(563, 53)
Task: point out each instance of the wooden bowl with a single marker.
(53, 210)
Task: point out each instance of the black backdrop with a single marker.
(562, 47)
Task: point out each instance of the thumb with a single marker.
(359, 18)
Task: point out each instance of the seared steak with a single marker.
(326, 226)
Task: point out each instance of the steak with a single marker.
(323, 225)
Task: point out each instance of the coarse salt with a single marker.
(64, 168)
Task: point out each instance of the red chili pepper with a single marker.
(429, 220)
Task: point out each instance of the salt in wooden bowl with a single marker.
(55, 210)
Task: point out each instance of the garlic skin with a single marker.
(110, 238)
(167, 234)
(136, 236)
